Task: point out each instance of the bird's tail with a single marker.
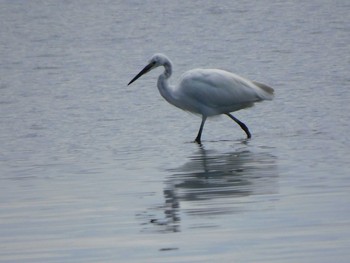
(270, 91)
(264, 87)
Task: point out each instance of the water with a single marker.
(94, 171)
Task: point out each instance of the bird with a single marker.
(207, 92)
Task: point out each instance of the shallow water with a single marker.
(94, 171)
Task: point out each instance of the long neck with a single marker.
(164, 88)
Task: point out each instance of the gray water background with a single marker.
(94, 171)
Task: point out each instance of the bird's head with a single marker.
(155, 61)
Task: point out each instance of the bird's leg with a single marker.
(241, 124)
(198, 138)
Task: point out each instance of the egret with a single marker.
(208, 92)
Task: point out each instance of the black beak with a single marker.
(142, 72)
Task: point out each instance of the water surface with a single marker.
(94, 171)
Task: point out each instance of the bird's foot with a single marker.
(198, 140)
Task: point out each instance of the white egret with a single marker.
(208, 92)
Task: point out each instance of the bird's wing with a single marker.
(220, 90)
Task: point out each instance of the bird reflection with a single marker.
(212, 183)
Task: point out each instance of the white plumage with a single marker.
(208, 92)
